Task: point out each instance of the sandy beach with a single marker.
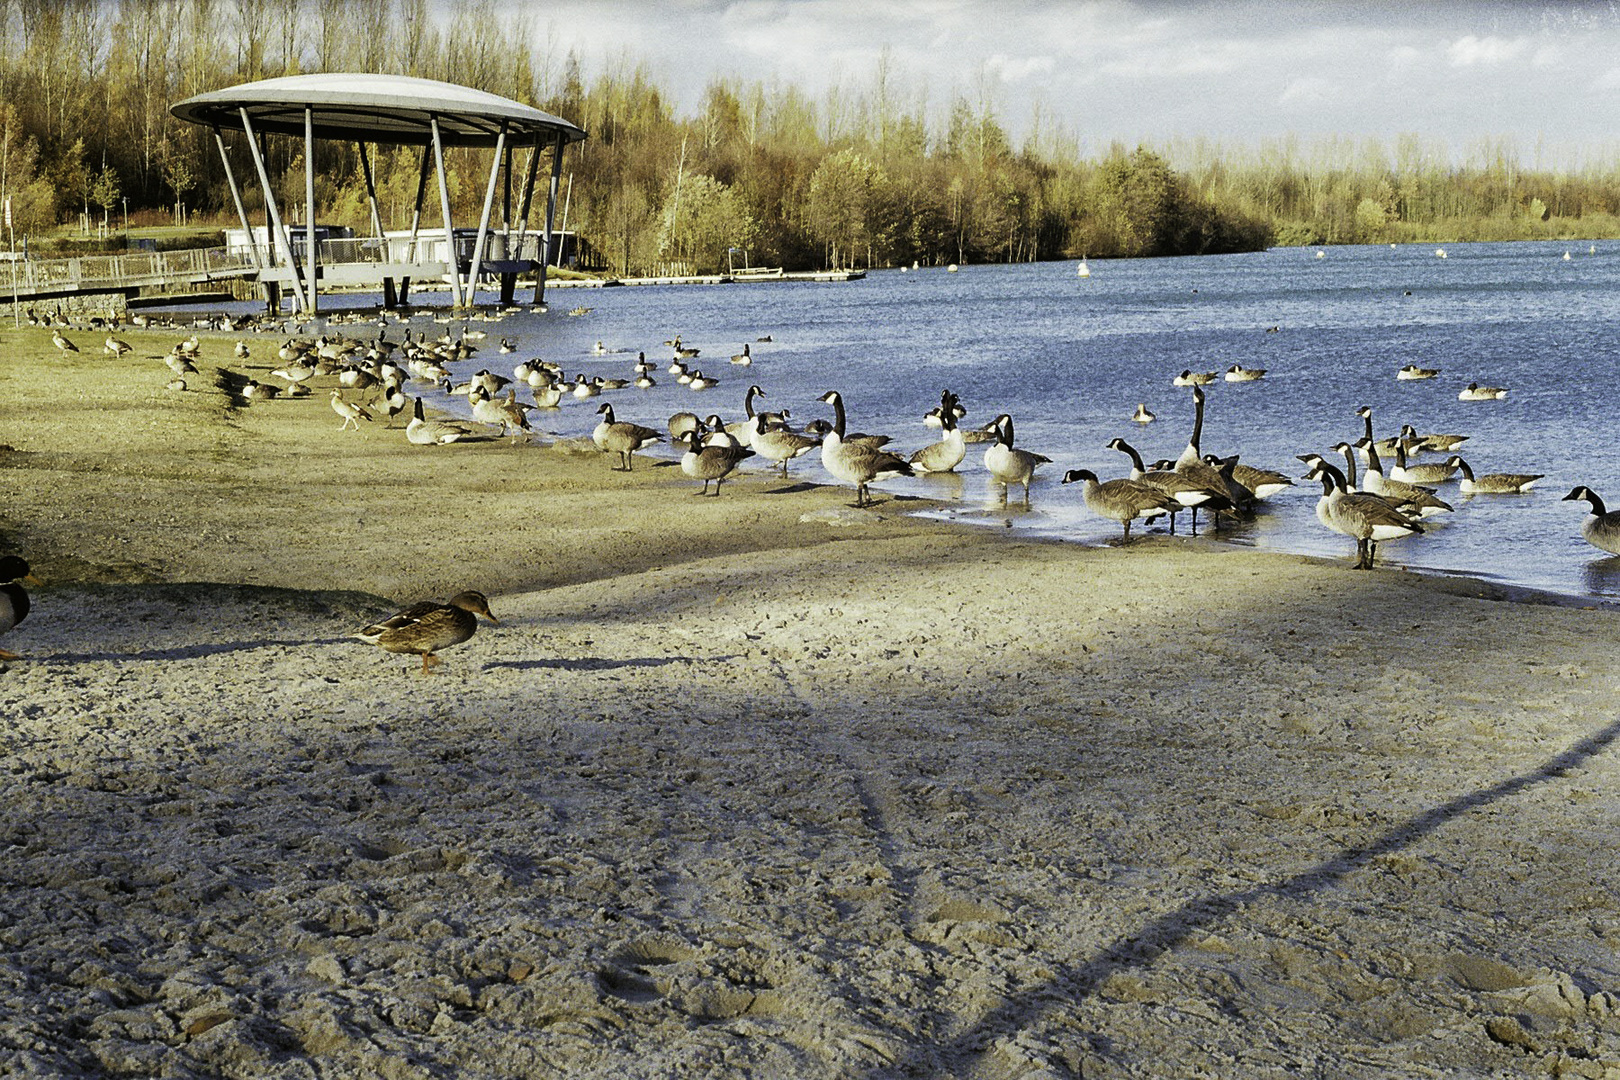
(756, 785)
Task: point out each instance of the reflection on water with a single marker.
(1602, 576)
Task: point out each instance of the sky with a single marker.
(1542, 78)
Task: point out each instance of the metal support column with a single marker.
(390, 300)
(311, 256)
(551, 211)
(416, 222)
(280, 233)
(444, 206)
(483, 221)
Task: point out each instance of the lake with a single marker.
(1070, 358)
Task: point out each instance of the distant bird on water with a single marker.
(13, 597)
(424, 629)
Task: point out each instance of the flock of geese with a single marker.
(1373, 490)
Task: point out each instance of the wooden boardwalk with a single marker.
(29, 280)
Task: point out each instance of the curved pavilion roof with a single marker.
(376, 108)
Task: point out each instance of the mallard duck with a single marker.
(13, 597)
(425, 628)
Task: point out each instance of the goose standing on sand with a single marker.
(778, 444)
(856, 462)
(351, 413)
(621, 437)
(1122, 500)
(710, 461)
(13, 597)
(946, 454)
(424, 432)
(1368, 519)
(1601, 527)
(424, 629)
(1009, 465)
(1492, 483)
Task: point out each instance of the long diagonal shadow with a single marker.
(1170, 930)
(189, 652)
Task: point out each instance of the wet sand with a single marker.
(734, 792)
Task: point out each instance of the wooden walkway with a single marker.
(29, 280)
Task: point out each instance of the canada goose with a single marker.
(424, 432)
(932, 418)
(1187, 491)
(584, 388)
(13, 597)
(351, 413)
(1384, 446)
(1366, 518)
(62, 344)
(1476, 392)
(1122, 500)
(508, 345)
(1191, 463)
(1440, 443)
(1492, 483)
(1008, 464)
(778, 444)
(946, 454)
(857, 463)
(1429, 473)
(425, 628)
(1142, 416)
(743, 358)
(1600, 528)
(548, 397)
(1409, 498)
(599, 349)
(509, 414)
(1263, 483)
(681, 424)
(700, 381)
(1239, 373)
(1190, 377)
(645, 382)
(717, 433)
(1412, 371)
(253, 390)
(710, 461)
(621, 437)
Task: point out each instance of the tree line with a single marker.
(866, 174)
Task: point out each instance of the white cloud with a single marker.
(1012, 69)
(1471, 51)
(1309, 90)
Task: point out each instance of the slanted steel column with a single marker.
(444, 206)
(416, 222)
(483, 221)
(390, 300)
(236, 197)
(310, 255)
(528, 194)
(551, 212)
(276, 227)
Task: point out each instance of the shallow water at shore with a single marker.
(1070, 358)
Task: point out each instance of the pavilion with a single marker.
(390, 110)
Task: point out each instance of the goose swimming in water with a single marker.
(1239, 373)
(946, 454)
(1601, 527)
(1142, 416)
(1476, 392)
(1492, 483)
(1412, 371)
(1190, 377)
